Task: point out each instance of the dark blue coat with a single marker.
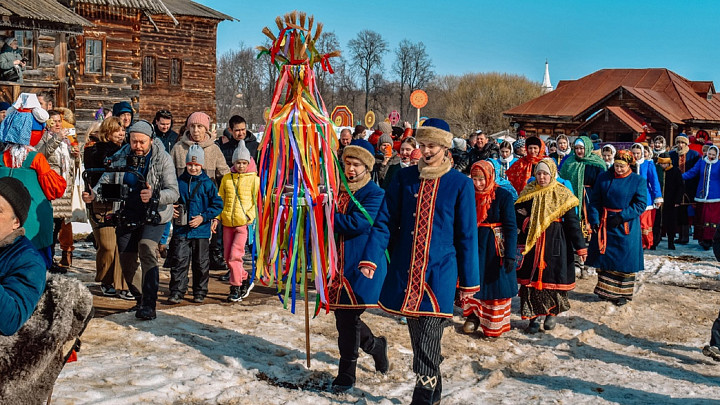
(350, 288)
(22, 282)
(495, 283)
(624, 251)
(206, 202)
(431, 234)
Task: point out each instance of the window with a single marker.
(175, 72)
(25, 43)
(93, 56)
(148, 70)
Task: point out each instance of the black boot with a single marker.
(671, 242)
(684, 235)
(379, 354)
(437, 394)
(424, 390)
(225, 277)
(346, 376)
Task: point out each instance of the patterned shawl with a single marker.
(484, 197)
(573, 169)
(521, 171)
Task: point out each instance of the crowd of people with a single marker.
(425, 222)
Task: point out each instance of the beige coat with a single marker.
(215, 165)
(57, 157)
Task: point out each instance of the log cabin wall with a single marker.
(118, 78)
(182, 59)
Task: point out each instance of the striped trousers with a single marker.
(425, 336)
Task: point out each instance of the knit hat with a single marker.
(520, 143)
(362, 150)
(436, 131)
(4, 106)
(385, 138)
(459, 143)
(196, 155)
(199, 117)
(242, 152)
(10, 40)
(385, 128)
(142, 127)
(17, 196)
(121, 108)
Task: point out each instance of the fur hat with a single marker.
(385, 128)
(142, 127)
(17, 196)
(242, 153)
(436, 131)
(362, 150)
(682, 138)
(533, 141)
(196, 155)
(199, 117)
(664, 158)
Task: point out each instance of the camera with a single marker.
(24, 60)
(135, 162)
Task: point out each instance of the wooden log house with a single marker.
(156, 54)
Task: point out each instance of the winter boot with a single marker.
(583, 271)
(146, 313)
(712, 351)
(684, 235)
(471, 324)
(424, 390)
(217, 262)
(533, 326)
(225, 277)
(346, 376)
(175, 298)
(437, 394)
(379, 354)
(671, 242)
(234, 295)
(55, 268)
(550, 322)
(66, 260)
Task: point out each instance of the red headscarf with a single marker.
(484, 197)
(521, 171)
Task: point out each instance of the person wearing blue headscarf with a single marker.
(502, 182)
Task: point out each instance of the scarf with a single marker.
(638, 162)
(484, 197)
(549, 203)
(357, 185)
(502, 182)
(434, 172)
(573, 169)
(613, 150)
(521, 171)
(712, 162)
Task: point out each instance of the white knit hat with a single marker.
(241, 152)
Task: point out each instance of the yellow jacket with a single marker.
(238, 192)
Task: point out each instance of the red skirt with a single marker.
(647, 219)
(707, 217)
(494, 314)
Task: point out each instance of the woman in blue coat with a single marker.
(351, 291)
(431, 236)
(707, 196)
(617, 200)
(646, 169)
(497, 243)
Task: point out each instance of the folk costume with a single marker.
(549, 235)
(671, 183)
(616, 203)
(581, 173)
(497, 244)
(646, 169)
(431, 225)
(506, 163)
(521, 171)
(351, 292)
(707, 197)
(685, 159)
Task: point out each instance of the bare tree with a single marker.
(327, 43)
(366, 52)
(239, 85)
(413, 68)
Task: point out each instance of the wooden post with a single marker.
(307, 324)
(672, 135)
(417, 123)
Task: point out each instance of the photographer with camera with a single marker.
(12, 61)
(145, 184)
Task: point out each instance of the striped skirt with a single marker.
(614, 284)
(494, 315)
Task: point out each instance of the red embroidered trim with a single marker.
(425, 211)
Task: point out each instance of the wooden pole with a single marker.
(307, 324)
(417, 123)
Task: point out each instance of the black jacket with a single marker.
(168, 139)
(228, 144)
(491, 150)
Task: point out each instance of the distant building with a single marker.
(546, 84)
(617, 104)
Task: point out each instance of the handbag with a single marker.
(79, 212)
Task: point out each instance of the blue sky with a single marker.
(577, 37)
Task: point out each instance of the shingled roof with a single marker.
(41, 14)
(191, 8)
(676, 98)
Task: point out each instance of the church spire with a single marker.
(546, 85)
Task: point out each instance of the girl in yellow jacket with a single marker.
(238, 190)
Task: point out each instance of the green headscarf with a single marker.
(573, 169)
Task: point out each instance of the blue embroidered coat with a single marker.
(647, 171)
(624, 243)
(431, 227)
(707, 176)
(350, 288)
(495, 283)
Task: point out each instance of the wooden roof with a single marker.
(671, 95)
(631, 120)
(190, 8)
(152, 6)
(40, 14)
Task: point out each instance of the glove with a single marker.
(508, 264)
(614, 221)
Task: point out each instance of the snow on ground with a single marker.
(254, 353)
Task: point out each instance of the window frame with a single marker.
(101, 56)
(144, 70)
(179, 80)
(32, 48)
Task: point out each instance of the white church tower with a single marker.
(546, 85)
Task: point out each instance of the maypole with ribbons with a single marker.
(299, 177)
